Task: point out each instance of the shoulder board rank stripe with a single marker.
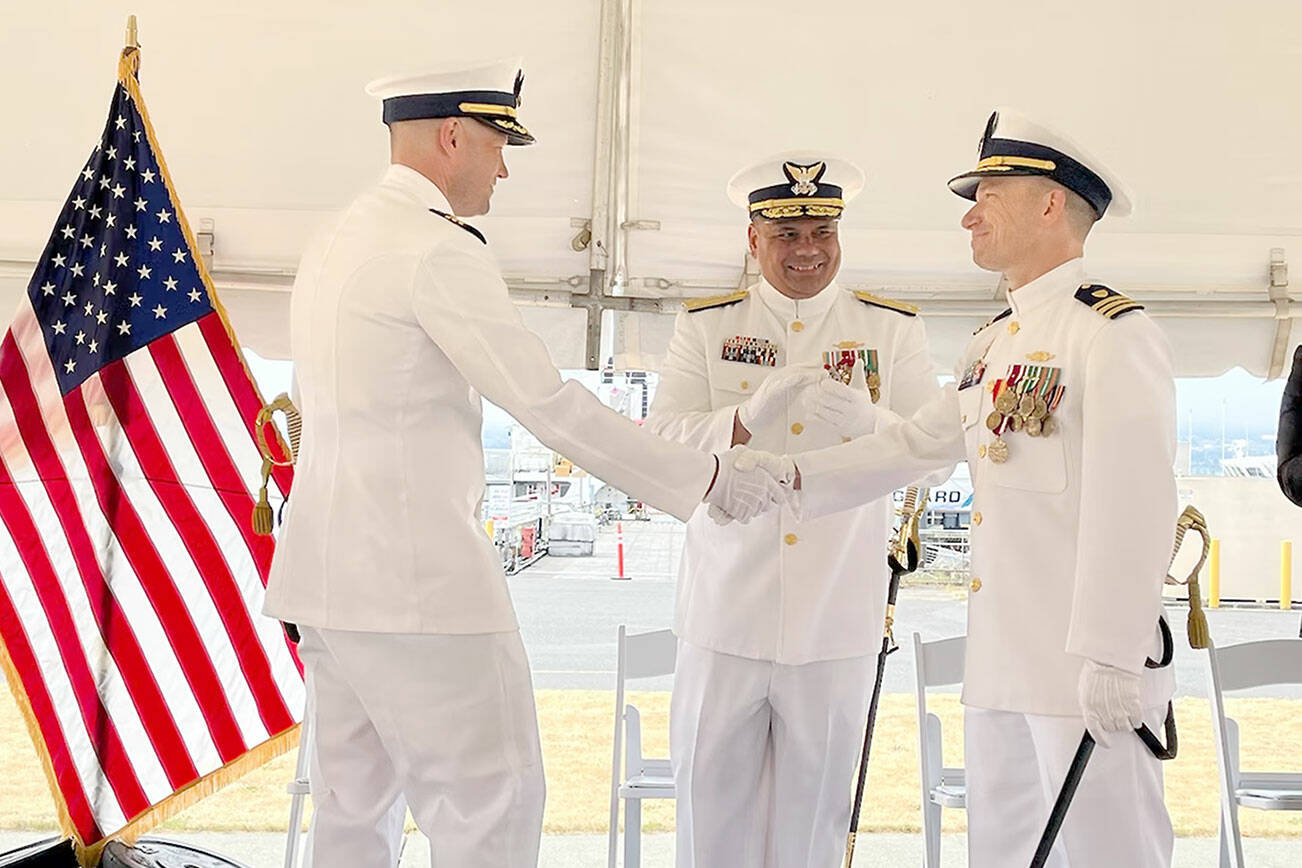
(694, 304)
(888, 303)
(1106, 302)
(457, 221)
(994, 319)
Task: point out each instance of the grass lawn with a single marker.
(576, 734)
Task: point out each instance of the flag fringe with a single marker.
(188, 796)
(66, 827)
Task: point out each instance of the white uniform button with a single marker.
(964, 415)
(791, 539)
(976, 518)
(846, 438)
(797, 428)
(1013, 328)
(797, 326)
(981, 450)
(976, 585)
(745, 384)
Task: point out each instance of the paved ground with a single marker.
(266, 850)
(570, 610)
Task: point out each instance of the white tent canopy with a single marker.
(644, 108)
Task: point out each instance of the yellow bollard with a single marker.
(1214, 573)
(1286, 574)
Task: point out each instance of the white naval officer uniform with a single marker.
(400, 321)
(1071, 538)
(778, 619)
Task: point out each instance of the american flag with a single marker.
(131, 582)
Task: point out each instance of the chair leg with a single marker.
(1231, 843)
(612, 841)
(632, 833)
(931, 831)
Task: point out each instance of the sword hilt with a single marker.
(905, 550)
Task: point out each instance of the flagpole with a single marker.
(131, 51)
(115, 441)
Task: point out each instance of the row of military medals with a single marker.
(840, 363)
(1024, 401)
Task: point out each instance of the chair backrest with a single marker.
(1242, 667)
(639, 655)
(1257, 664)
(649, 654)
(935, 664)
(939, 663)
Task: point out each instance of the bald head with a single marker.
(460, 155)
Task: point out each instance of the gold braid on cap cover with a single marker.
(1192, 519)
(263, 517)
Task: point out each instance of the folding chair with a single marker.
(1239, 667)
(641, 655)
(936, 664)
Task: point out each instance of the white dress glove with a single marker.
(772, 395)
(1109, 701)
(748, 484)
(848, 409)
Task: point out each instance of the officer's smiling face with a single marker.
(1005, 221)
(798, 256)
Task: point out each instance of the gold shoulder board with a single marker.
(994, 319)
(457, 221)
(1106, 302)
(695, 304)
(888, 303)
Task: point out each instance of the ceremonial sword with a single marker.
(1190, 519)
(903, 557)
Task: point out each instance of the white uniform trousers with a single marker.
(443, 724)
(1016, 764)
(764, 758)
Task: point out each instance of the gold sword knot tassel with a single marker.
(263, 516)
(1192, 519)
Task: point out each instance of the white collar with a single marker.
(416, 185)
(796, 308)
(1055, 283)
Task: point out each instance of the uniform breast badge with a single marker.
(1024, 401)
(750, 351)
(840, 362)
(972, 376)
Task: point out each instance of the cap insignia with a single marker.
(804, 178)
(986, 136)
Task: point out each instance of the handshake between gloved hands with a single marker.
(751, 481)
